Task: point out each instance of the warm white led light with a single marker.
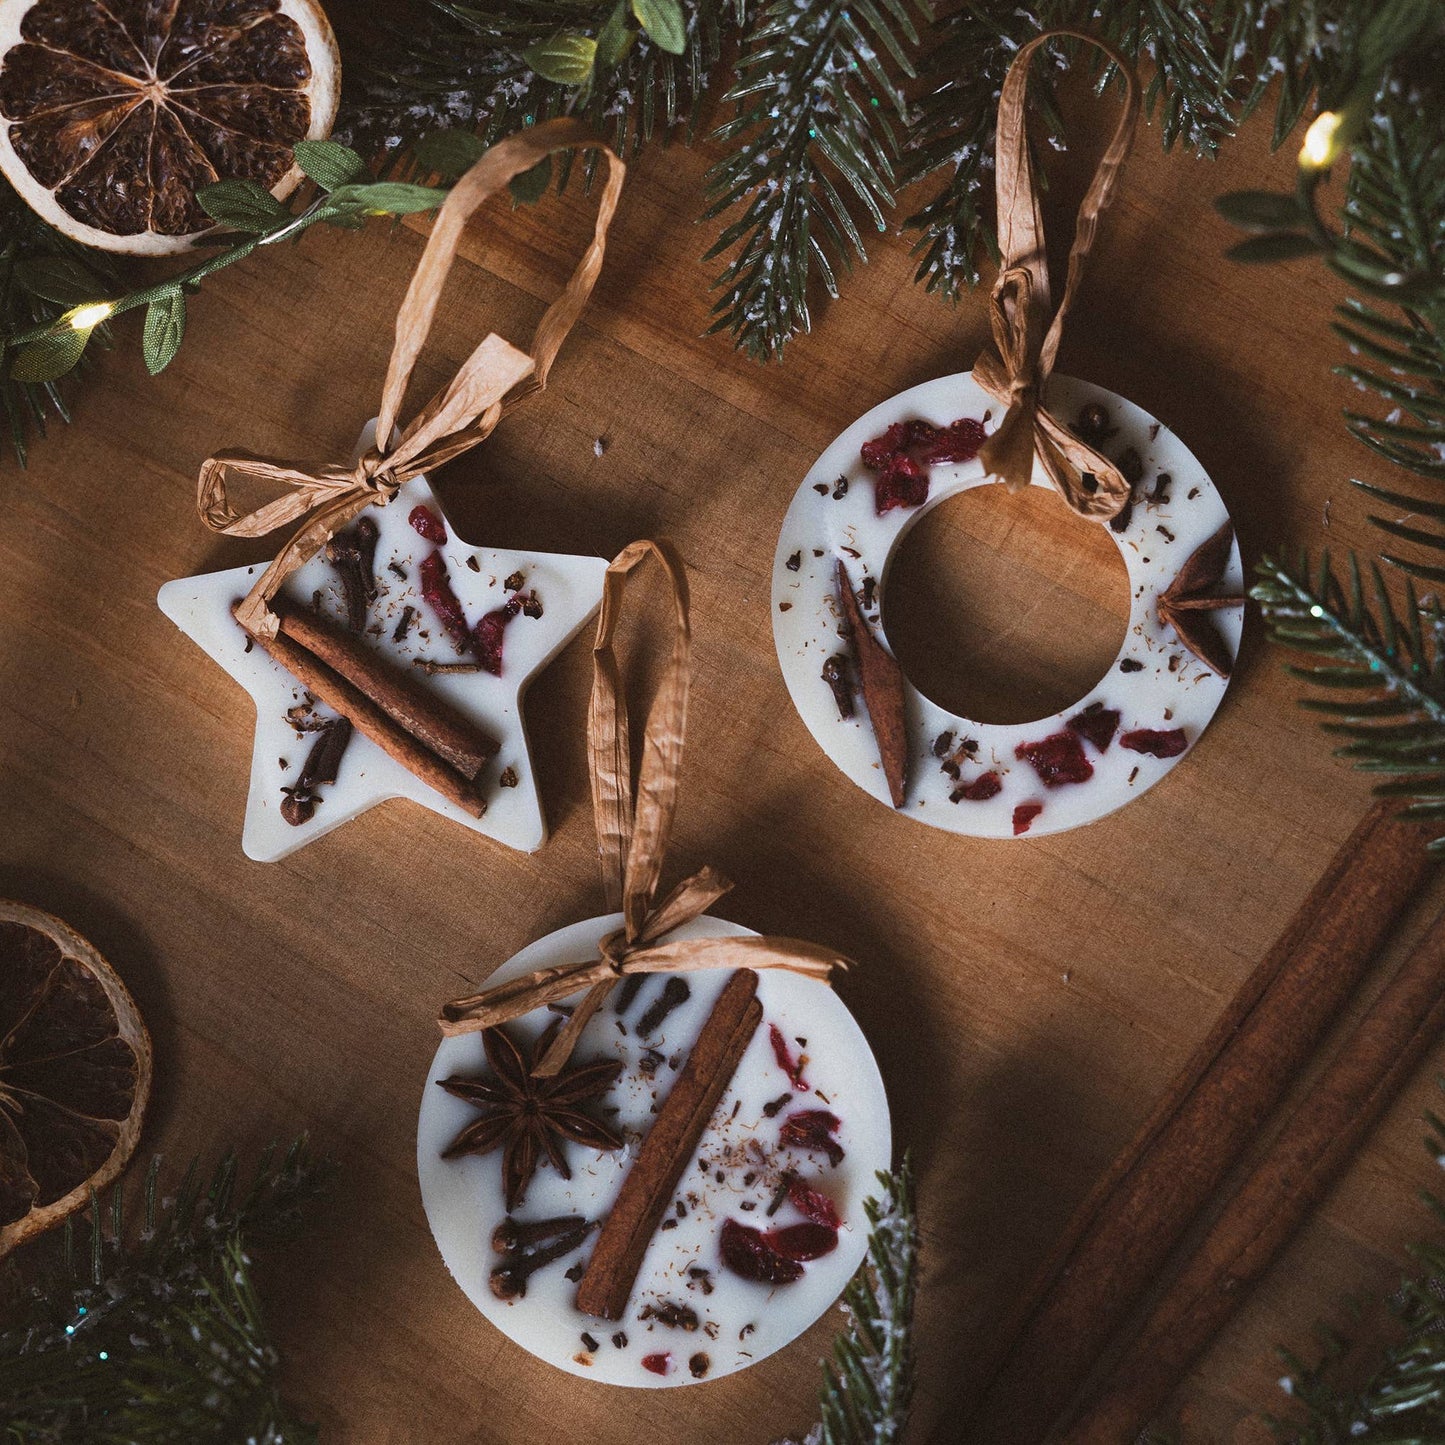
(86, 317)
(1319, 147)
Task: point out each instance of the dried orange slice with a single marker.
(75, 1072)
(113, 113)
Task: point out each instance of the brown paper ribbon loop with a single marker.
(323, 499)
(634, 826)
(1016, 370)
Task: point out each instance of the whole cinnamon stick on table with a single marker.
(649, 1186)
(1121, 1236)
(1313, 1147)
(366, 717)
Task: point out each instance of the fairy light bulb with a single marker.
(1319, 146)
(84, 318)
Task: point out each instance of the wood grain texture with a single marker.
(1027, 1002)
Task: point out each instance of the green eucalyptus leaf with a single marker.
(531, 186)
(329, 163)
(565, 59)
(391, 198)
(1261, 210)
(243, 206)
(448, 152)
(164, 326)
(1281, 246)
(50, 356)
(615, 38)
(663, 20)
(61, 279)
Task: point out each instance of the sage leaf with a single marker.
(448, 153)
(391, 198)
(1260, 210)
(615, 38)
(565, 59)
(329, 163)
(61, 279)
(243, 206)
(50, 356)
(1281, 246)
(531, 185)
(663, 21)
(164, 326)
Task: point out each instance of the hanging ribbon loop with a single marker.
(1016, 370)
(325, 498)
(634, 826)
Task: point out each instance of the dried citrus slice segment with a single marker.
(113, 113)
(75, 1072)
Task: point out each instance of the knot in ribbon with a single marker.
(324, 498)
(1016, 370)
(633, 831)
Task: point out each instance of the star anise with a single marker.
(1186, 603)
(530, 1119)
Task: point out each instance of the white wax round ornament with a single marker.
(689, 1319)
(995, 780)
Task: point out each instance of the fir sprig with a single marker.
(868, 1384)
(819, 103)
(156, 1334)
(1387, 662)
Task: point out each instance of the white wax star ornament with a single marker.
(567, 589)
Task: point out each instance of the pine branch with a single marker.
(868, 1385)
(156, 1334)
(814, 91)
(1388, 663)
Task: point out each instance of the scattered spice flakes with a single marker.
(1133, 773)
(425, 523)
(1193, 492)
(474, 564)
(508, 778)
(1159, 496)
(1097, 724)
(821, 488)
(838, 674)
(396, 569)
(675, 992)
(699, 1365)
(794, 562)
(576, 1272)
(671, 1314)
(619, 1340)
(589, 1344)
(1164, 532)
(785, 606)
(943, 744)
(1156, 742)
(1131, 664)
(840, 489)
(1057, 760)
(1024, 816)
(774, 1107)
(403, 623)
(1092, 426)
(981, 789)
(515, 581)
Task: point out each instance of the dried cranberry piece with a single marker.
(814, 1205)
(1156, 743)
(1024, 816)
(1057, 760)
(983, 787)
(792, 1067)
(801, 1242)
(957, 442)
(747, 1253)
(436, 589)
(489, 635)
(904, 483)
(658, 1364)
(1097, 723)
(427, 524)
(895, 441)
(814, 1129)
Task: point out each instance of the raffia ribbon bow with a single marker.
(1017, 369)
(632, 838)
(326, 498)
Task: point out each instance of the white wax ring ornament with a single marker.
(843, 527)
(1156, 683)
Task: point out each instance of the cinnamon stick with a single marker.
(881, 681)
(430, 719)
(366, 717)
(666, 1151)
(1313, 1148)
(1120, 1238)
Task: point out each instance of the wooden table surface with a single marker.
(1026, 1002)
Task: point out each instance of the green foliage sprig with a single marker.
(156, 1334)
(868, 1384)
(347, 196)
